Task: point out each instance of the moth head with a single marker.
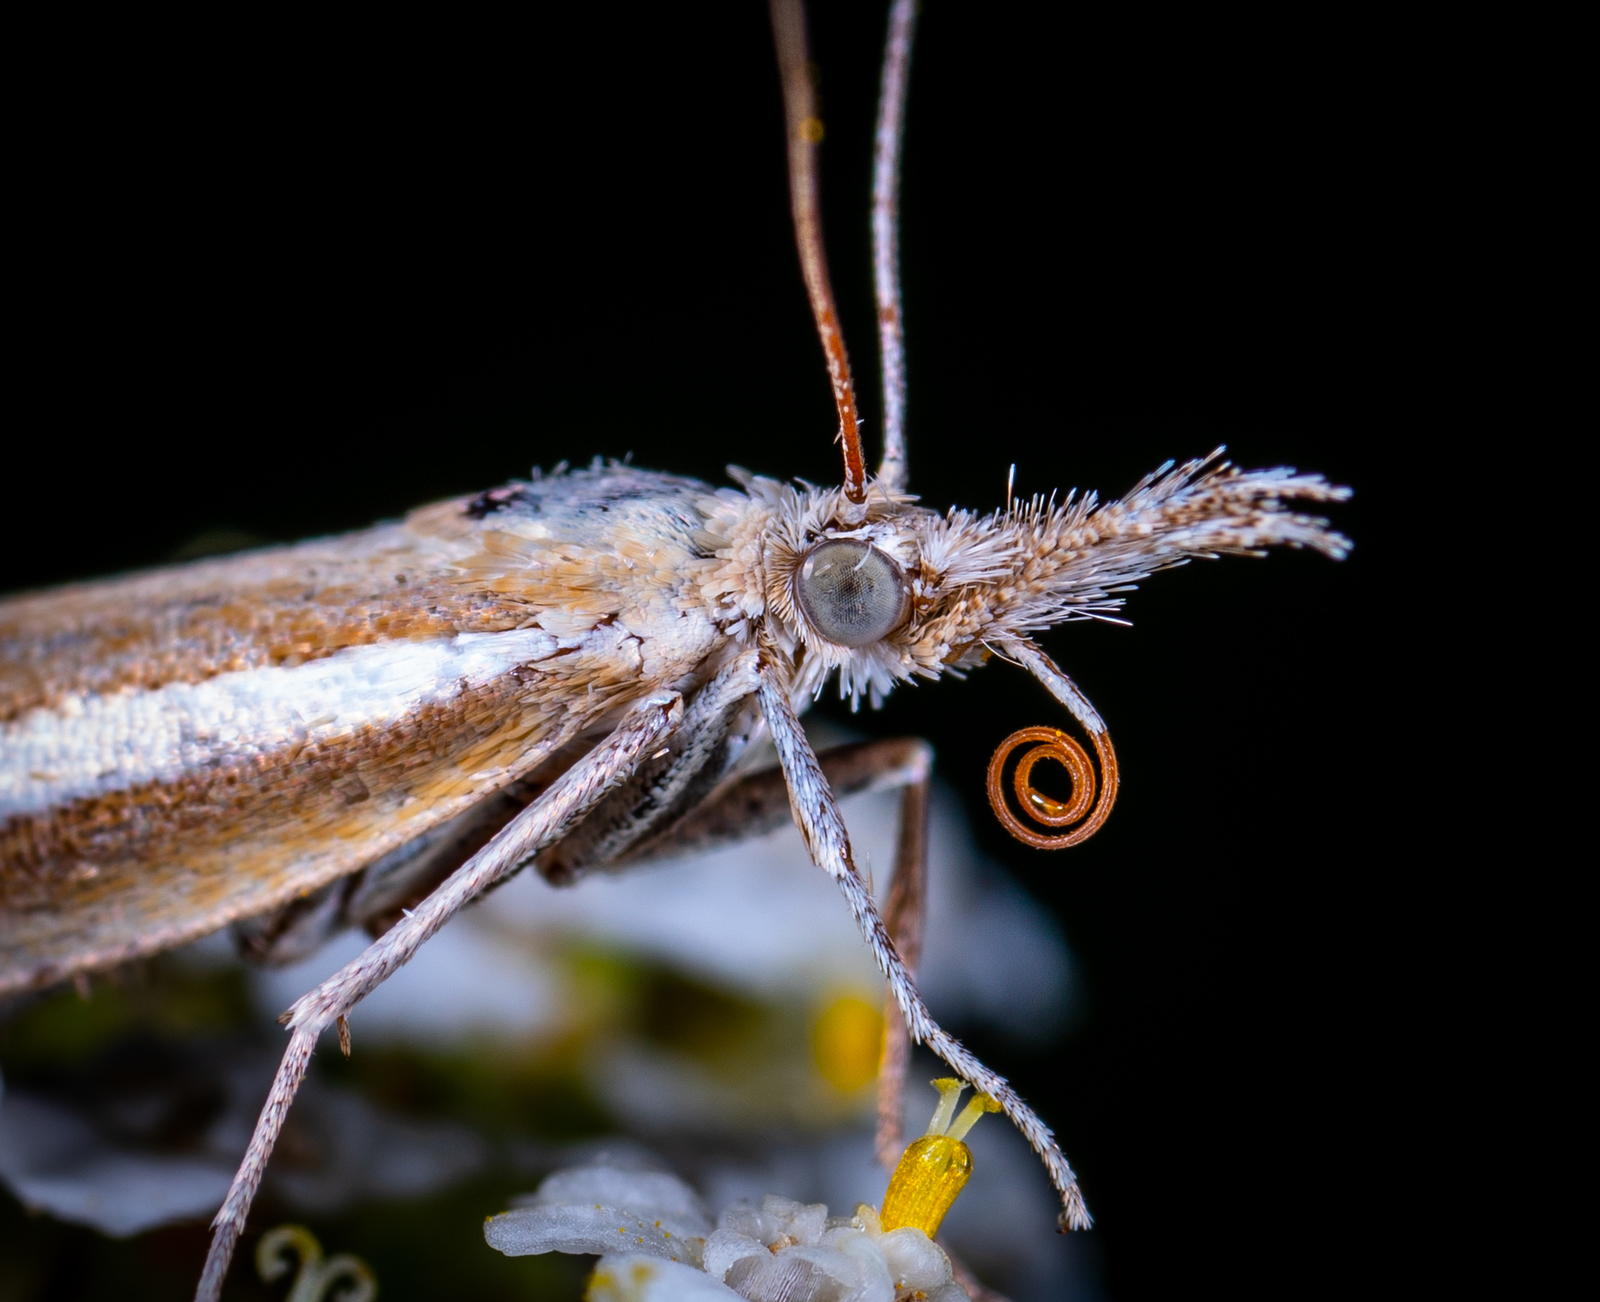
(896, 591)
(879, 597)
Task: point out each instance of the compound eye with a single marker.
(852, 593)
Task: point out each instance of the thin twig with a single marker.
(805, 134)
(886, 151)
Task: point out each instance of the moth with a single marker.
(569, 672)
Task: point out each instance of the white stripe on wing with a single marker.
(91, 744)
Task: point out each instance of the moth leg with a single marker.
(817, 813)
(905, 916)
(295, 930)
(758, 802)
(569, 798)
(718, 724)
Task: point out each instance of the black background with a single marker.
(291, 279)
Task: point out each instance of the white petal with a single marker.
(527, 1231)
(636, 1278)
(915, 1261)
(725, 1247)
(875, 1284)
(752, 1222)
(778, 1218)
(792, 1277)
(802, 1222)
(652, 1194)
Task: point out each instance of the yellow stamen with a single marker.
(931, 1173)
(949, 1095)
(976, 1107)
(935, 1168)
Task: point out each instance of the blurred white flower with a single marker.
(757, 918)
(794, 1041)
(106, 1167)
(656, 1244)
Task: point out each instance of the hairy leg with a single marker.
(759, 802)
(575, 793)
(904, 915)
(817, 813)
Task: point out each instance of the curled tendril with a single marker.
(1082, 809)
(315, 1280)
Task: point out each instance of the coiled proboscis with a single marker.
(1083, 813)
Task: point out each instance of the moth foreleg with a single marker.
(817, 813)
(718, 722)
(757, 803)
(569, 798)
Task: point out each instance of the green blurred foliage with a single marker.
(163, 998)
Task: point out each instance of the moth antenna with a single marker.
(888, 142)
(1090, 803)
(805, 134)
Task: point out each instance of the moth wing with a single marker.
(187, 747)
